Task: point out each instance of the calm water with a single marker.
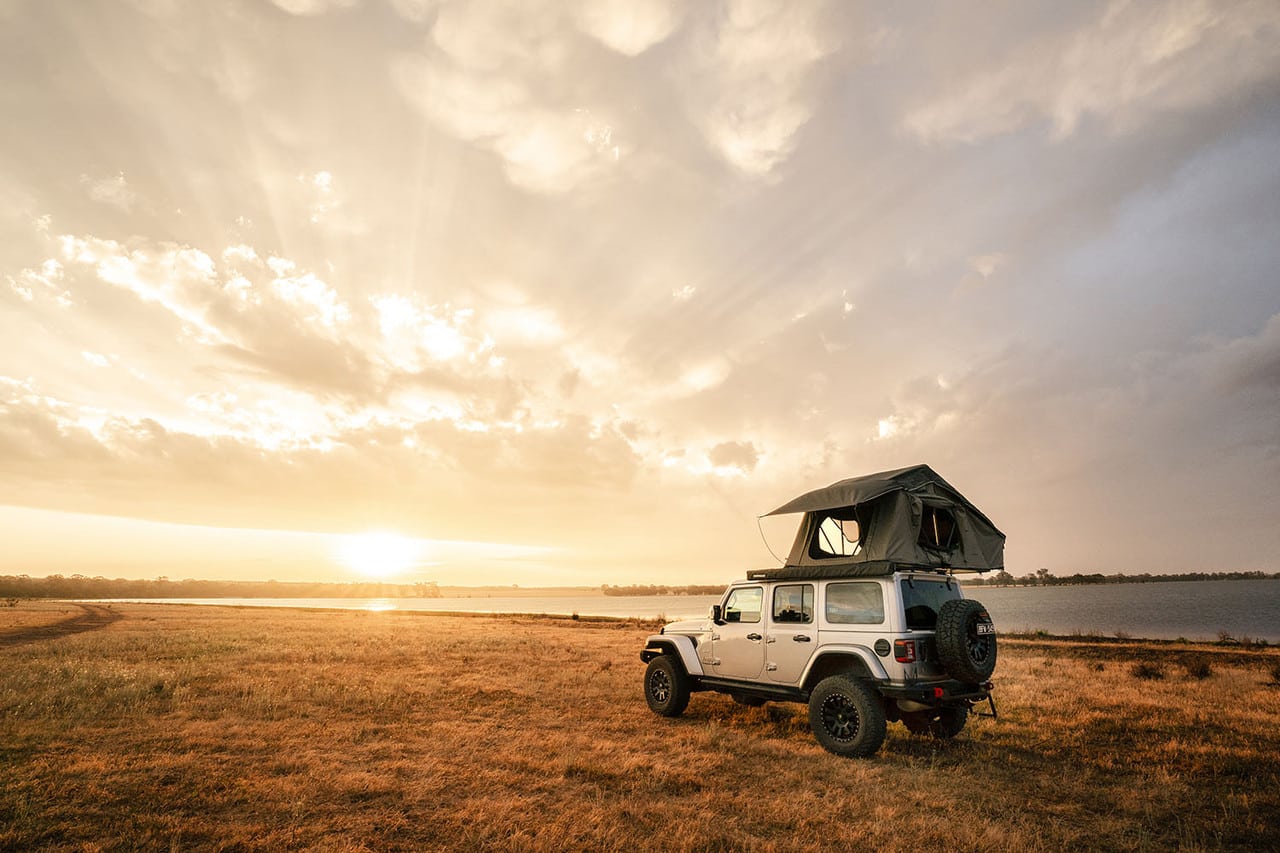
(1197, 610)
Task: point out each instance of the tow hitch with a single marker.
(991, 703)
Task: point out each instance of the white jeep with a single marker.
(848, 625)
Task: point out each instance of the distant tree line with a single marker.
(79, 586)
(661, 589)
(1044, 577)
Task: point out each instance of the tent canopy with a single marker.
(905, 518)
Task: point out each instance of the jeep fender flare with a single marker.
(833, 659)
(673, 644)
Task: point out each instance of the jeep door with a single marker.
(792, 632)
(738, 642)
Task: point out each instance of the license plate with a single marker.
(986, 628)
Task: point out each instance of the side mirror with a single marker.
(714, 613)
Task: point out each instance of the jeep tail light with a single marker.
(904, 651)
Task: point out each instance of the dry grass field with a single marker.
(209, 728)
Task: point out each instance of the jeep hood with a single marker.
(685, 626)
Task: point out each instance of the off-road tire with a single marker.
(965, 654)
(846, 716)
(666, 686)
(942, 724)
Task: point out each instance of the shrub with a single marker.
(1198, 668)
(1147, 671)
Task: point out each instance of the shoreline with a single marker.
(1089, 645)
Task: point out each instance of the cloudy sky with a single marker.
(570, 292)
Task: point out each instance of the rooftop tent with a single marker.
(906, 518)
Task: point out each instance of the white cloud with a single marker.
(96, 359)
(46, 278)
(987, 265)
(317, 302)
(324, 200)
(500, 75)
(414, 333)
(175, 277)
(759, 89)
(524, 325)
(312, 7)
(542, 149)
(704, 376)
(1134, 60)
(114, 191)
(629, 26)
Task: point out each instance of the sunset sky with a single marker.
(556, 292)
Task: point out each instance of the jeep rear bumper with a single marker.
(937, 693)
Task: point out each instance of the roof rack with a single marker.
(879, 568)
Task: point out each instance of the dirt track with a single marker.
(94, 617)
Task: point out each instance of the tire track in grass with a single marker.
(94, 617)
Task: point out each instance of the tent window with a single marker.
(835, 537)
(937, 528)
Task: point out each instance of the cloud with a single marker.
(740, 455)
(1250, 365)
(629, 26)
(46, 279)
(113, 191)
(341, 472)
(756, 63)
(501, 75)
(1132, 61)
(175, 277)
(313, 7)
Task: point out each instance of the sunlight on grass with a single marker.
(216, 727)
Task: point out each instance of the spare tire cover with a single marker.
(966, 640)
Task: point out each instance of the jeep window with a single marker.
(856, 603)
(937, 528)
(922, 599)
(744, 605)
(835, 537)
(793, 603)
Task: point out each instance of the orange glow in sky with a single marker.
(380, 556)
(563, 293)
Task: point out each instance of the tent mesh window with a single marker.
(836, 537)
(937, 528)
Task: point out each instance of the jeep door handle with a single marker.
(754, 637)
(801, 638)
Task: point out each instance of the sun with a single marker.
(379, 555)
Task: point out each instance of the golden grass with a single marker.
(210, 728)
(29, 614)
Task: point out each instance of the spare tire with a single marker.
(966, 640)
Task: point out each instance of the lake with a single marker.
(1196, 610)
